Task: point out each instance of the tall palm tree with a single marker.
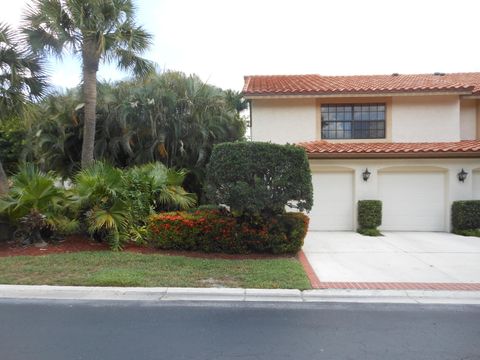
(94, 30)
(21, 81)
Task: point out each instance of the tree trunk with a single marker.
(90, 98)
(3, 181)
(90, 59)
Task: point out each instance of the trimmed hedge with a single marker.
(369, 217)
(218, 231)
(256, 177)
(369, 214)
(466, 215)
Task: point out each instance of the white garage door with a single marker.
(413, 201)
(476, 185)
(332, 201)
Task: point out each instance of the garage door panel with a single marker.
(413, 201)
(476, 185)
(332, 201)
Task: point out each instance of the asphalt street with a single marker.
(59, 330)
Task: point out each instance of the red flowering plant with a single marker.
(217, 231)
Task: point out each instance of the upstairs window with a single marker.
(353, 121)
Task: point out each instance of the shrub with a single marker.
(369, 217)
(256, 177)
(369, 232)
(369, 213)
(35, 204)
(466, 215)
(116, 203)
(218, 231)
(471, 232)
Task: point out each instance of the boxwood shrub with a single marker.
(219, 231)
(465, 215)
(369, 217)
(256, 177)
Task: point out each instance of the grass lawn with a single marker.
(105, 268)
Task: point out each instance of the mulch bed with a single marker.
(77, 243)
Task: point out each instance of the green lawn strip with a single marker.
(130, 269)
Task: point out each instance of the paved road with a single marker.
(103, 331)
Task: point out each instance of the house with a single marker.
(412, 141)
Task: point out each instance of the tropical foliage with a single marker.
(21, 81)
(112, 204)
(171, 118)
(115, 203)
(35, 203)
(96, 31)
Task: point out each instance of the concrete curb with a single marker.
(45, 292)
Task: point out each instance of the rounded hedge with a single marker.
(369, 214)
(257, 177)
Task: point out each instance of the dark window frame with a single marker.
(353, 121)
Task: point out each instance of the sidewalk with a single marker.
(159, 295)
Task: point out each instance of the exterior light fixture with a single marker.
(462, 175)
(366, 174)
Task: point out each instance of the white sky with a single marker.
(224, 40)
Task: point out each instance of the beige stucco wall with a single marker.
(409, 119)
(369, 190)
(425, 118)
(468, 119)
(283, 120)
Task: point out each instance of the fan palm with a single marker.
(21, 80)
(35, 203)
(95, 30)
(116, 203)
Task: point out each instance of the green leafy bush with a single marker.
(219, 231)
(369, 217)
(369, 232)
(35, 203)
(12, 142)
(116, 203)
(466, 215)
(256, 177)
(471, 232)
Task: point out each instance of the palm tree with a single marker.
(21, 80)
(95, 30)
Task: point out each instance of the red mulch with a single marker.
(78, 243)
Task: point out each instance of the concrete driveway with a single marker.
(427, 257)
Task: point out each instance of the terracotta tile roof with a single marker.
(360, 84)
(326, 149)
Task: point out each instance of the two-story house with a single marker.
(412, 141)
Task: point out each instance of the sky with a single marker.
(221, 41)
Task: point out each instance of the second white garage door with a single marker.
(476, 185)
(412, 201)
(332, 201)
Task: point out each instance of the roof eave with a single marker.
(396, 155)
(353, 94)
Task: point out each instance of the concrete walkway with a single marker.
(421, 257)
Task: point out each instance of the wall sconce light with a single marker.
(462, 175)
(366, 174)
